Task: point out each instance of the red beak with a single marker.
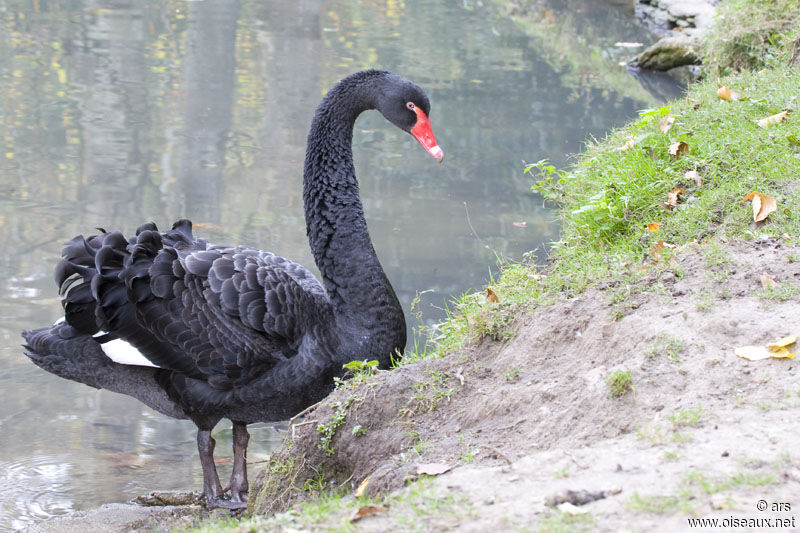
(424, 134)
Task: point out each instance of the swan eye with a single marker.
(410, 105)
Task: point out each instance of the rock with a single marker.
(668, 53)
(665, 15)
(685, 74)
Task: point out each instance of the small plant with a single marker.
(359, 431)
(686, 417)
(660, 504)
(665, 344)
(315, 484)
(512, 374)
(360, 371)
(780, 292)
(671, 456)
(706, 300)
(327, 431)
(277, 466)
(468, 455)
(560, 521)
(428, 394)
(562, 472)
(620, 383)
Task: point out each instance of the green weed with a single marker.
(620, 383)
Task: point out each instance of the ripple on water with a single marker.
(33, 489)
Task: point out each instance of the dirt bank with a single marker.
(702, 432)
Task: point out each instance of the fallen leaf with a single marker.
(660, 246)
(433, 469)
(628, 145)
(768, 281)
(793, 140)
(522, 224)
(725, 93)
(491, 296)
(783, 343)
(365, 511)
(654, 226)
(672, 197)
(774, 119)
(678, 149)
(752, 353)
(777, 350)
(763, 205)
(693, 175)
(362, 487)
(665, 124)
(758, 353)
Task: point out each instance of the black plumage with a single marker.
(236, 332)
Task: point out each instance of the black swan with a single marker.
(208, 332)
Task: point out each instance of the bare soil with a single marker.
(534, 440)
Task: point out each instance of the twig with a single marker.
(294, 426)
(498, 452)
(345, 481)
(472, 229)
(304, 412)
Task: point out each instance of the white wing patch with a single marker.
(123, 353)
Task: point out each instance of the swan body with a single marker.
(205, 332)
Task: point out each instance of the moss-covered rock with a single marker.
(669, 53)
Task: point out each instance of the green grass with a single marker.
(687, 417)
(661, 504)
(752, 34)
(620, 383)
(560, 522)
(665, 344)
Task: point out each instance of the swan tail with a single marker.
(63, 351)
(105, 282)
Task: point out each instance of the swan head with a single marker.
(405, 105)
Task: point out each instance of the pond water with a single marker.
(116, 112)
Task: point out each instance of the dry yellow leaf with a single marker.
(763, 205)
(768, 281)
(628, 145)
(665, 124)
(774, 119)
(660, 246)
(672, 197)
(654, 226)
(678, 149)
(777, 350)
(783, 343)
(491, 296)
(362, 487)
(757, 353)
(694, 176)
(725, 93)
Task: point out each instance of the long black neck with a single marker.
(337, 230)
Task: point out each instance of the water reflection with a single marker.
(119, 112)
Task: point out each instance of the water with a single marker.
(115, 113)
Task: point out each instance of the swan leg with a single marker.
(212, 489)
(238, 485)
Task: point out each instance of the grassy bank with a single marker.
(673, 179)
(677, 175)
